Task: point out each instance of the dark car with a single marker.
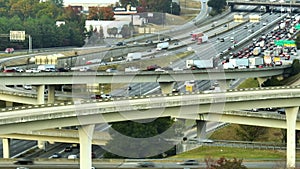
(190, 162)
(68, 149)
(24, 161)
(62, 69)
(121, 44)
(146, 164)
(56, 155)
(152, 67)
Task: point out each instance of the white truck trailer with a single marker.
(133, 56)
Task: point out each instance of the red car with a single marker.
(9, 50)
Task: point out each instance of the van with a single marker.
(72, 156)
(231, 39)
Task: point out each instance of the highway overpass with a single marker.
(265, 3)
(197, 106)
(166, 80)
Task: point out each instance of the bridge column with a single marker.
(5, 146)
(166, 87)
(261, 80)
(224, 84)
(268, 9)
(51, 94)
(41, 144)
(85, 140)
(40, 94)
(9, 104)
(201, 129)
(291, 117)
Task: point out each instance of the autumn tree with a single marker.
(100, 13)
(224, 163)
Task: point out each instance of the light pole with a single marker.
(171, 7)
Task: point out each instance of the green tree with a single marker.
(139, 139)
(295, 67)
(217, 5)
(250, 133)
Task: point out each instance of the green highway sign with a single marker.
(287, 43)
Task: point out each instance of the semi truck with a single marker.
(162, 45)
(202, 39)
(133, 56)
(239, 63)
(195, 36)
(255, 62)
(200, 64)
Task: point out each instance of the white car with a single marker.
(105, 96)
(27, 87)
(72, 156)
(32, 70)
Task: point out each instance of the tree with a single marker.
(217, 5)
(101, 13)
(250, 133)
(125, 31)
(140, 139)
(295, 67)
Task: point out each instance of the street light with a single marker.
(171, 7)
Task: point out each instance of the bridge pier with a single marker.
(5, 146)
(41, 144)
(166, 87)
(291, 117)
(261, 80)
(40, 94)
(85, 139)
(201, 129)
(9, 104)
(51, 94)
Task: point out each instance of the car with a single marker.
(84, 69)
(56, 155)
(22, 168)
(152, 67)
(95, 96)
(146, 164)
(68, 149)
(27, 87)
(24, 161)
(9, 50)
(190, 162)
(32, 70)
(111, 70)
(222, 40)
(121, 44)
(72, 156)
(20, 70)
(62, 69)
(105, 96)
(9, 70)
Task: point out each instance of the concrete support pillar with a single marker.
(201, 129)
(51, 94)
(85, 139)
(41, 144)
(40, 94)
(291, 117)
(9, 104)
(261, 80)
(224, 84)
(166, 87)
(5, 146)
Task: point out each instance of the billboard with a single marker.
(17, 35)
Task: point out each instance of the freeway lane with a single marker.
(133, 164)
